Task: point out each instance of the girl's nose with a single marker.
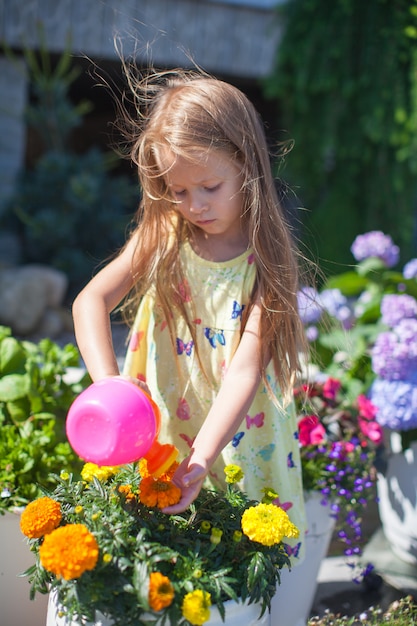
(197, 204)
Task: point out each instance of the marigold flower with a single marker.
(196, 607)
(40, 517)
(143, 468)
(267, 524)
(233, 473)
(69, 551)
(127, 492)
(91, 471)
(158, 493)
(161, 591)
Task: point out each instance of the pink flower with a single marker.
(311, 431)
(331, 388)
(366, 408)
(372, 430)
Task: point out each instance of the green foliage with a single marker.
(34, 400)
(346, 82)
(72, 212)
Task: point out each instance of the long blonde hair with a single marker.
(189, 111)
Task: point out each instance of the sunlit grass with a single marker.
(400, 613)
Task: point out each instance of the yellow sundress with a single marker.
(266, 443)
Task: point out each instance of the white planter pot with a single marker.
(16, 609)
(292, 603)
(236, 615)
(397, 505)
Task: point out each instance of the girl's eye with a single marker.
(214, 188)
(179, 193)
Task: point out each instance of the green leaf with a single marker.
(349, 283)
(13, 387)
(12, 356)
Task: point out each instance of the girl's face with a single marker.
(208, 194)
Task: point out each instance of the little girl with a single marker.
(211, 271)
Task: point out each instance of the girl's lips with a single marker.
(205, 222)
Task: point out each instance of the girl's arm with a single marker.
(226, 414)
(91, 312)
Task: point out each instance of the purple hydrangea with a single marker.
(395, 307)
(338, 306)
(410, 269)
(376, 243)
(394, 354)
(396, 402)
(309, 306)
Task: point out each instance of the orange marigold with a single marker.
(159, 493)
(40, 517)
(161, 591)
(69, 551)
(126, 490)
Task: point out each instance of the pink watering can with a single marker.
(114, 422)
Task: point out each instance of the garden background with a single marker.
(337, 79)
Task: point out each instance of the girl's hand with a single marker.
(189, 478)
(135, 381)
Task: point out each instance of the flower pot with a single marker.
(237, 614)
(292, 603)
(16, 608)
(397, 505)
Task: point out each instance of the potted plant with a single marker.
(394, 392)
(339, 440)
(139, 565)
(363, 327)
(35, 394)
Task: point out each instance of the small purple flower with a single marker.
(309, 306)
(410, 269)
(376, 244)
(312, 333)
(338, 306)
(395, 307)
(396, 402)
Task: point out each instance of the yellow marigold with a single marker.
(69, 551)
(267, 524)
(234, 473)
(161, 591)
(91, 470)
(40, 517)
(143, 470)
(159, 493)
(196, 607)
